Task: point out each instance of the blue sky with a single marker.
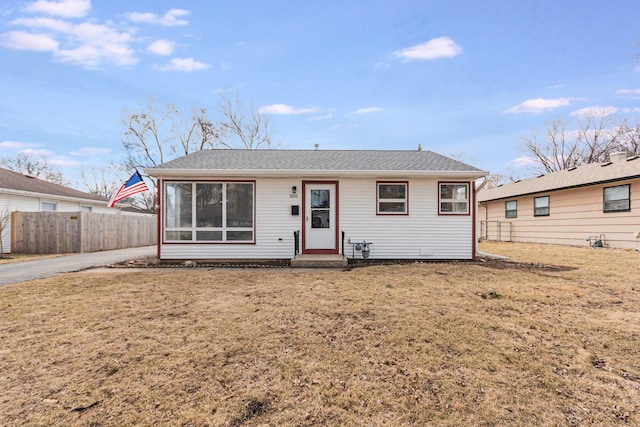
(469, 78)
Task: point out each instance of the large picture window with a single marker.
(209, 211)
(392, 198)
(541, 206)
(454, 198)
(617, 199)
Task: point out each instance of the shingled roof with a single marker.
(318, 162)
(590, 174)
(17, 182)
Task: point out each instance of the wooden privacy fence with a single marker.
(68, 232)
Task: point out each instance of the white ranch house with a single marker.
(272, 204)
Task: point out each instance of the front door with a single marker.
(320, 228)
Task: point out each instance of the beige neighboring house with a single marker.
(597, 204)
(25, 193)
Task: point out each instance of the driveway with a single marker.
(15, 272)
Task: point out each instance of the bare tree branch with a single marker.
(596, 137)
(37, 167)
(155, 135)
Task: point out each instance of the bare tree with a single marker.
(596, 136)
(155, 135)
(103, 182)
(37, 167)
(242, 127)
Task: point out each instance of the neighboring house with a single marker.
(595, 204)
(24, 193)
(261, 204)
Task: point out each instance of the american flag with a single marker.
(134, 185)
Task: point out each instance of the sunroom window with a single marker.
(209, 211)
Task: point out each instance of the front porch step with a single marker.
(319, 261)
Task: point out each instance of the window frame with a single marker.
(627, 199)
(467, 200)
(54, 205)
(225, 229)
(405, 200)
(510, 213)
(535, 209)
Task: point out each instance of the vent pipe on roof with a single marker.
(618, 156)
(419, 147)
(316, 145)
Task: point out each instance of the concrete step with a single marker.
(319, 261)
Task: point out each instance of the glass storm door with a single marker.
(320, 218)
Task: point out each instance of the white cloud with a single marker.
(16, 145)
(522, 161)
(21, 40)
(62, 8)
(171, 18)
(595, 111)
(95, 44)
(63, 161)
(366, 110)
(161, 47)
(538, 105)
(629, 92)
(90, 152)
(46, 23)
(85, 44)
(285, 109)
(184, 64)
(440, 47)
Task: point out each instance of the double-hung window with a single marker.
(511, 209)
(617, 199)
(209, 212)
(541, 206)
(393, 198)
(454, 198)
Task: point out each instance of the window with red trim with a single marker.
(393, 198)
(454, 198)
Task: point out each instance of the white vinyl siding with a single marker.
(422, 234)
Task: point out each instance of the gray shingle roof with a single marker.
(15, 181)
(314, 161)
(593, 173)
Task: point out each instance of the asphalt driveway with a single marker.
(15, 272)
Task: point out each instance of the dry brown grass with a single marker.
(551, 337)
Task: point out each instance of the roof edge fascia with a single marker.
(199, 173)
(568, 187)
(51, 196)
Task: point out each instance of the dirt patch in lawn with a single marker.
(549, 337)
